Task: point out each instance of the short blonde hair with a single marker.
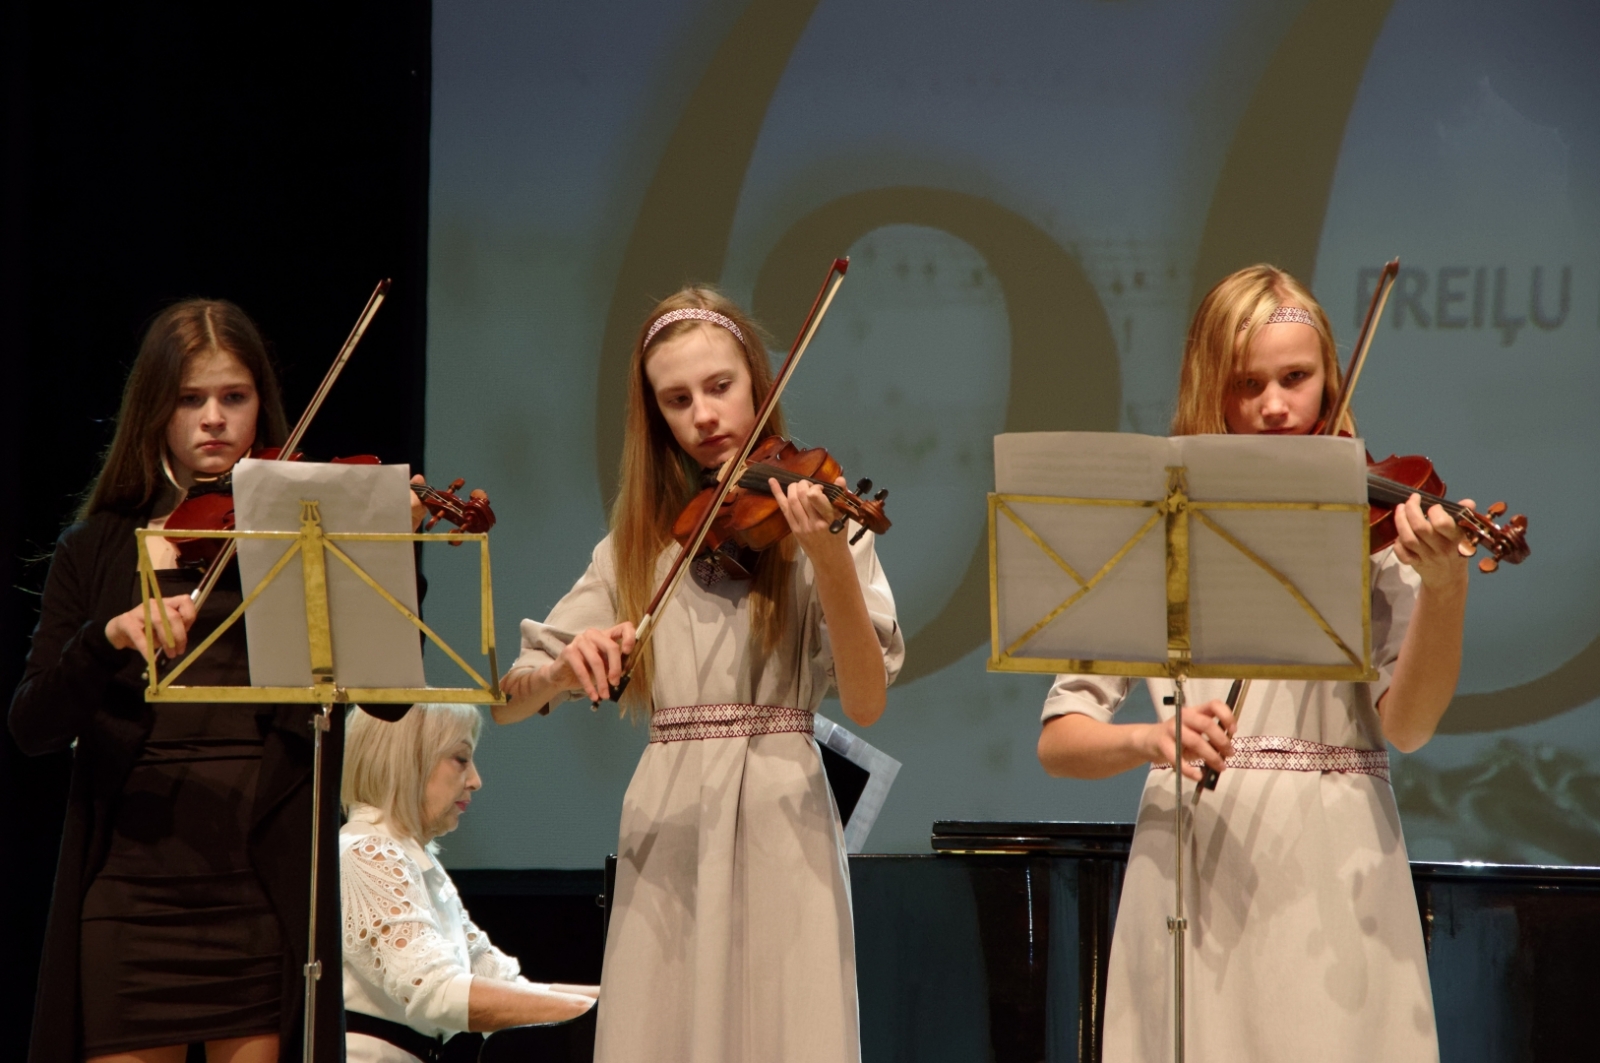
(387, 765)
(1217, 342)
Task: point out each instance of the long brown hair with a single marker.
(131, 474)
(1216, 344)
(658, 479)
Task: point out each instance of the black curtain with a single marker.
(271, 154)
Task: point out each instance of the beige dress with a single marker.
(1304, 939)
(730, 937)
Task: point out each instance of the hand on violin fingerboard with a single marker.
(1432, 543)
(419, 512)
(811, 518)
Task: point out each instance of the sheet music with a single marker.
(1239, 612)
(373, 644)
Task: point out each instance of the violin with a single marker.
(1392, 481)
(209, 507)
(749, 517)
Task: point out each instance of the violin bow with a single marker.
(1358, 357)
(732, 469)
(368, 312)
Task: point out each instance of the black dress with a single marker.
(131, 849)
(179, 942)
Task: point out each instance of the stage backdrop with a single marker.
(1034, 195)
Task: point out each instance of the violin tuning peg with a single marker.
(1496, 509)
(881, 495)
(1488, 564)
(863, 485)
(856, 538)
(455, 485)
(837, 526)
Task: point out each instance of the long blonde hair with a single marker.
(1216, 345)
(387, 765)
(658, 479)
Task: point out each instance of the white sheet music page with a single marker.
(373, 644)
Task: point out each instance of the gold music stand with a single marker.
(1274, 583)
(313, 545)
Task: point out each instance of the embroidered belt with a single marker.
(690, 723)
(1278, 753)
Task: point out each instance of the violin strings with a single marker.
(784, 476)
(1392, 493)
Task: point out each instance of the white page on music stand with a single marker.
(1112, 621)
(1239, 613)
(373, 644)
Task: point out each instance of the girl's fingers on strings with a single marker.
(816, 501)
(793, 510)
(1405, 541)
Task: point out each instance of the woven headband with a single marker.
(692, 313)
(1282, 314)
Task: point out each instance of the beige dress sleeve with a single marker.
(592, 602)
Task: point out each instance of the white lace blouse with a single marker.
(410, 950)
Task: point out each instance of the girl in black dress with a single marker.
(180, 906)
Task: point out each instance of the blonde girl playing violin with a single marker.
(731, 937)
(1304, 941)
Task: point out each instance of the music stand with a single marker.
(324, 615)
(1274, 583)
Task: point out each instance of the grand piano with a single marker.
(994, 946)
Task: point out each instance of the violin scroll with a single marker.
(471, 514)
(1506, 542)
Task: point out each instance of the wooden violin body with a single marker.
(750, 517)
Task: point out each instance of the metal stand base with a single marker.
(1177, 925)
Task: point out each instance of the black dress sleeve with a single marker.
(71, 664)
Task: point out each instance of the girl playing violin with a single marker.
(180, 907)
(731, 937)
(1305, 939)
